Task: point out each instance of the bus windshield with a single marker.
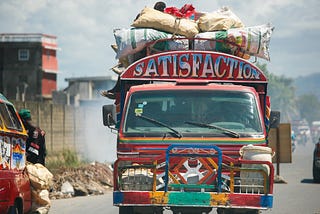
(182, 113)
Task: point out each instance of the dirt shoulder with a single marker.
(88, 179)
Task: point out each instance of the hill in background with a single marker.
(308, 85)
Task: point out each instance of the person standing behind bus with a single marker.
(35, 146)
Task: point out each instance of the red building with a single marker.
(28, 66)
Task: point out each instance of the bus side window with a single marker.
(9, 117)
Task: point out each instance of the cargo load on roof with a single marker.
(184, 29)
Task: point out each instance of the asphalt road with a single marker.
(299, 195)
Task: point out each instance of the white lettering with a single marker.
(164, 60)
(217, 67)
(139, 70)
(240, 71)
(195, 65)
(233, 64)
(174, 64)
(152, 69)
(208, 67)
(246, 71)
(184, 66)
(255, 74)
(197, 59)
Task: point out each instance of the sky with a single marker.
(84, 30)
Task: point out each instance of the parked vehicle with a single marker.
(15, 191)
(303, 134)
(183, 119)
(315, 130)
(293, 141)
(316, 162)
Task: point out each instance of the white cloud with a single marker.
(85, 28)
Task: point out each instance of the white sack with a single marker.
(253, 41)
(131, 41)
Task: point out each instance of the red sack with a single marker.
(172, 11)
(185, 12)
(188, 10)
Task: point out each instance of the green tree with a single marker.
(282, 94)
(308, 106)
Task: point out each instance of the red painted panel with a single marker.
(245, 200)
(136, 198)
(14, 184)
(49, 83)
(49, 59)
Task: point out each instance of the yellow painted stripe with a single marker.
(159, 198)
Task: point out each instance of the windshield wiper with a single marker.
(210, 126)
(175, 132)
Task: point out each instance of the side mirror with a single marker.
(274, 119)
(109, 115)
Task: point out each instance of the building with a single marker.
(28, 66)
(83, 91)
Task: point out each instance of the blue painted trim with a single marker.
(118, 198)
(266, 201)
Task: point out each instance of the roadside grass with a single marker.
(65, 159)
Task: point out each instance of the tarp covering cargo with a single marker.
(130, 41)
(252, 40)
